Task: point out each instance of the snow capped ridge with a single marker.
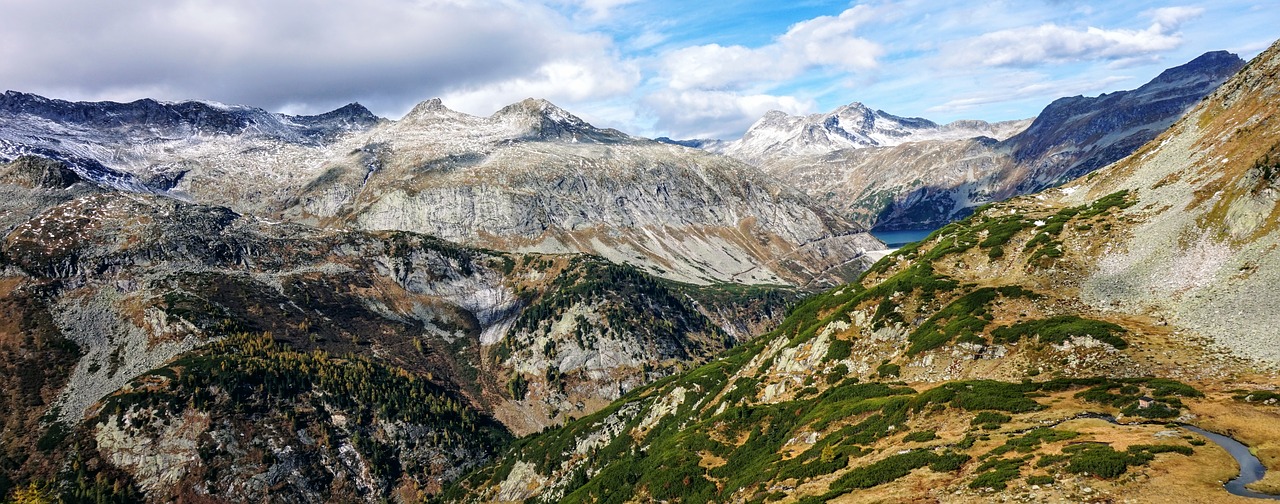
(852, 126)
(528, 119)
(173, 120)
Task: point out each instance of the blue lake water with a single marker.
(895, 239)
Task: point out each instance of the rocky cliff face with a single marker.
(973, 366)
(931, 181)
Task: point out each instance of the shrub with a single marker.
(839, 349)
(518, 387)
(1059, 329)
(996, 473)
(1041, 480)
(985, 418)
(920, 436)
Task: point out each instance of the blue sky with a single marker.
(647, 67)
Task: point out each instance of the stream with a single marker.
(1251, 469)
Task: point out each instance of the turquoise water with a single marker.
(895, 239)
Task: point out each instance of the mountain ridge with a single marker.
(926, 184)
(688, 215)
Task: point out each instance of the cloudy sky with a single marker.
(651, 68)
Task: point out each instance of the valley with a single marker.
(203, 302)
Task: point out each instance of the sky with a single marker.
(650, 68)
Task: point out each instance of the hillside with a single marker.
(156, 348)
(1054, 347)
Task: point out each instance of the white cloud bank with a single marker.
(300, 55)
(1051, 43)
(713, 90)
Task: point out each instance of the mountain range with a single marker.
(531, 177)
(203, 302)
(887, 172)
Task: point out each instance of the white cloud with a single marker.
(385, 53)
(829, 41)
(826, 41)
(1051, 43)
(565, 82)
(600, 10)
(716, 114)
(1171, 18)
(716, 91)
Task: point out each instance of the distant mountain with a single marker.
(1052, 347)
(150, 146)
(708, 144)
(926, 182)
(780, 136)
(1074, 136)
(530, 177)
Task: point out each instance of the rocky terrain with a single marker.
(178, 351)
(923, 181)
(529, 178)
(1044, 349)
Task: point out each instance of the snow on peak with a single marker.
(851, 126)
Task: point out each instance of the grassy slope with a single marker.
(889, 388)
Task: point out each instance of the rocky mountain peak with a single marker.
(543, 120)
(1077, 124)
(433, 108)
(1219, 64)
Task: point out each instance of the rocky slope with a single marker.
(173, 351)
(983, 363)
(531, 177)
(925, 184)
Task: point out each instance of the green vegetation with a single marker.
(1045, 243)
(518, 387)
(996, 473)
(1056, 330)
(251, 378)
(887, 370)
(892, 468)
(1101, 460)
(920, 436)
(963, 318)
(665, 463)
(990, 420)
(1032, 440)
(839, 349)
(1258, 396)
(1041, 480)
(1126, 394)
(982, 395)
